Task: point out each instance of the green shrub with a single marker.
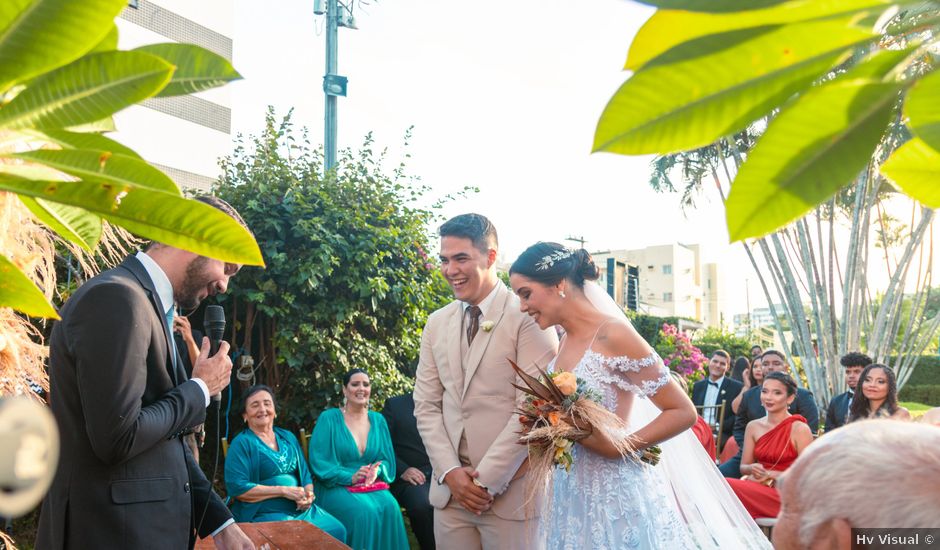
(928, 394)
(349, 280)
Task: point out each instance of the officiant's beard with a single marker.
(195, 285)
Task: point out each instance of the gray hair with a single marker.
(837, 480)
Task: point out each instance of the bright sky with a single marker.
(504, 98)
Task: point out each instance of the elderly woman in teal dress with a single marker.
(352, 459)
(266, 474)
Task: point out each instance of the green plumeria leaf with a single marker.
(41, 35)
(108, 43)
(809, 151)
(90, 89)
(922, 107)
(72, 224)
(668, 28)
(21, 294)
(156, 215)
(103, 166)
(197, 69)
(711, 5)
(80, 140)
(915, 168)
(673, 106)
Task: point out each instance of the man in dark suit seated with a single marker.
(838, 410)
(715, 390)
(413, 475)
(123, 403)
(751, 409)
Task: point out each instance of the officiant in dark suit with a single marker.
(715, 390)
(837, 412)
(413, 468)
(123, 404)
(751, 408)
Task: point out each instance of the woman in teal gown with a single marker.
(266, 474)
(351, 447)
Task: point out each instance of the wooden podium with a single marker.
(283, 535)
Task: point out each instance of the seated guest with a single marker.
(838, 411)
(265, 471)
(353, 461)
(866, 474)
(756, 351)
(412, 467)
(738, 370)
(752, 377)
(715, 390)
(752, 409)
(771, 444)
(879, 395)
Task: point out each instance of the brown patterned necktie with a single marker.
(473, 326)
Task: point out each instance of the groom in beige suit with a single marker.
(465, 401)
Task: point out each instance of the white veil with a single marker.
(705, 501)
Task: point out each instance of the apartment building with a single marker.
(183, 136)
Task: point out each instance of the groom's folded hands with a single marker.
(472, 496)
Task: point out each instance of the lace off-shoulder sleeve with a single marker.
(643, 376)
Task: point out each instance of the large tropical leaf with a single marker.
(668, 107)
(197, 69)
(108, 43)
(83, 140)
(809, 151)
(915, 168)
(669, 28)
(711, 5)
(72, 224)
(21, 294)
(103, 166)
(92, 88)
(156, 215)
(922, 107)
(40, 35)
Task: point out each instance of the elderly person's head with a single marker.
(895, 465)
(259, 408)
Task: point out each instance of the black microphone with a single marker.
(214, 325)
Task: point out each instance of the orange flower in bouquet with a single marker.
(558, 411)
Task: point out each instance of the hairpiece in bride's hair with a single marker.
(548, 261)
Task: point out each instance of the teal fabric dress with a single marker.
(250, 462)
(373, 520)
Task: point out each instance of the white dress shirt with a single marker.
(712, 388)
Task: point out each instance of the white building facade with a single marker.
(673, 281)
(183, 136)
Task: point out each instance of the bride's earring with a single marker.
(562, 293)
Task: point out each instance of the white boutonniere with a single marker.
(487, 325)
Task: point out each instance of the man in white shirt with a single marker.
(714, 390)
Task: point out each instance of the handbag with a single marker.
(377, 486)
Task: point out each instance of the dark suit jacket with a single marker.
(399, 414)
(729, 389)
(751, 409)
(837, 411)
(125, 478)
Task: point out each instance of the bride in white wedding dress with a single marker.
(606, 501)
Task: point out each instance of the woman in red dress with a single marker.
(771, 444)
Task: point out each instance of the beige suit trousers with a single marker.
(458, 529)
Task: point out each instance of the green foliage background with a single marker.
(349, 281)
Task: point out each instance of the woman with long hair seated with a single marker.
(353, 461)
(771, 445)
(265, 471)
(879, 395)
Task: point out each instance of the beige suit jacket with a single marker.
(475, 398)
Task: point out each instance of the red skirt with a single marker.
(760, 500)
